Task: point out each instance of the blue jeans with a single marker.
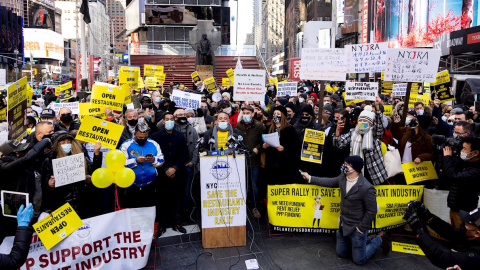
(253, 173)
(358, 246)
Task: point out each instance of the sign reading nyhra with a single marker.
(361, 90)
(186, 100)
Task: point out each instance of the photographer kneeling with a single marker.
(462, 174)
(467, 238)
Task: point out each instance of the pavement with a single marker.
(293, 251)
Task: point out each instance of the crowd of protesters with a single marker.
(163, 144)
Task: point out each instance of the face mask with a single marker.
(47, 136)
(50, 121)
(182, 120)
(444, 118)
(222, 125)
(169, 125)
(276, 119)
(141, 120)
(158, 99)
(227, 110)
(289, 117)
(301, 100)
(67, 118)
(67, 148)
(413, 123)
(305, 119)
(407, 121)
(316, 112)
(148, 117)
(31, 114)
(247, 118)
(191, 120)
(204, 110)
(420, 112)
(141, 141)
(344, 169)
(362, 125)
(132, 122)
(464, 157)
(326, 103)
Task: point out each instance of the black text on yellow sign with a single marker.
(86, 109)
(129, 78)
(211, 86)
(196, 78)
(105, 96)
(417, 173)
(93, 129)
(150, 70)
(312, 148)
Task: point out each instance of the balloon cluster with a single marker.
(114, 173)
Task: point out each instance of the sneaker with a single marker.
(256, 213)
(160, 232)
(179, 228)
(386, 247)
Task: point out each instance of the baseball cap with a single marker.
(47, 113)
(12, 146)
(472, 217)
(224, 103)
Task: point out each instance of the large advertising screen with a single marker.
(416, 23)
(38, 41)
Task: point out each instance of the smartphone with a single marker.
(11, 202)
(149, 155)
(300, 171)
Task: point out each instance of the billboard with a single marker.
(415, 23)
(11, 37)
(38, 41)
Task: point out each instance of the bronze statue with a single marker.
(204, 51)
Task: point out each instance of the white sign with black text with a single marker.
(249, 85)
(69, 170)
(287, 89)
(412, 65)
(399, 89)
(361, 91)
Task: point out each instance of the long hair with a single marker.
(76, 149)
(283, 124)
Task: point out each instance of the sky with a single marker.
(245, 18)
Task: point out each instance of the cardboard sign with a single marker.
(151, 82)
(129, 78)
(368, 57)
(361, 90)
(86, 109)
(53, 228)
(16, 109)
(249, 85)
(149, 70)
(93, 129)
(323, 64)
(186, 99)
(68, 170)
(407, 248)
(417, 173)
(312, 147)
(105, 96)
(211, 85)
(73, 106)
(196, 78)
(161, 78)
(399, 89)
(287, 89)
(412, 65)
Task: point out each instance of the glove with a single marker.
(199, 112)
(37, 149)
(24, 216)
(421, 209)
(414, 221)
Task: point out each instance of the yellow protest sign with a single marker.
(141, 84)
(348, 102)
(16, 109)
(29, 94)
(129, 78)
(161, 77)
(312, 148)
(442, 77)
(130, 68)
(196, 78)
(151, 82)
(126, 91)
(407, 248)
(230, 73)
(149, 70)
(424, 98)
(87, 109)
(417, 173)
(388, 110)
(93, 129)
(63, 87)
(105, 96)
(273, 81)
(226, 82)
(210, 83)
(53, 228)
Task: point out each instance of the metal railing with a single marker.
(153, 48)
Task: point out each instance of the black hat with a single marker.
(224, 103)
(290, 105)
(424, 121)
(308, 109)
(472, 217)
(328, 107)
(61, 135)
(281, 109)
(12, 146)
(47, 113)
(282, 101)
(356, 162)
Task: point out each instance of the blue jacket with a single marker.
(145, 172)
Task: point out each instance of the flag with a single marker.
(239, 64)
(84, 10)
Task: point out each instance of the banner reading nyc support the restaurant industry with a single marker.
(311, 208)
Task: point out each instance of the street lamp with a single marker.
(15, 65)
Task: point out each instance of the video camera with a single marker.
(440, 141)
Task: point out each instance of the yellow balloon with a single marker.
(102, 178)
(384, 149)
(124, 177)
(115, 160)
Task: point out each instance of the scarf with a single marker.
(361, 140)
(214, 134)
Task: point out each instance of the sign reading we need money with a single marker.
(412, 65)
(186, 100)
(323, 64)
(68, 170)
(361, 91)
(417, 173)
(106, 96)
(93, 129)
(287, 89)
(55, 227)
(249, 85)
(368, 57)
(399, 89)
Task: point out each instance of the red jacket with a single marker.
(234, 119)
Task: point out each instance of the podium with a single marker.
(223, 201)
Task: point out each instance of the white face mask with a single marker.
(464, 155)
(191, 120)
(444, 118)
(228, 110)
(301, 100)
(420, 112)
(408, 120)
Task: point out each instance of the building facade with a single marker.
(273, 15)
(116, 12)
(295, 18)
(319, 10)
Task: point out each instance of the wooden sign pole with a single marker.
(320, 102)
(405, 104)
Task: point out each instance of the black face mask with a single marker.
(141, 141)
(132, 122)
(47, 136)
(182, 120)
(413, 123)
(66, 118)
(305, 119)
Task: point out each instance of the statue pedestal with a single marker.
(205, 72)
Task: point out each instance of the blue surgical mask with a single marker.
(222, 125)
(362, 125)
(169, 125)
(158, 99)
(31, 114)
(148, 117)
(67, 148)
(247, 118)
(444, 118)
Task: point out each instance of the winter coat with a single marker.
(465, 186)
(191, 136)
(173, 148)
(252, 137)
(59, 126)
(19, 253)
(145, 172)
(422, 147)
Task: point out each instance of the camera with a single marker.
(439, 141)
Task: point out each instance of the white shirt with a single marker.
(407, 153)
(350, 184)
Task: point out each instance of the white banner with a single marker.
(38, 41)
(249, 85)
(73, 106)
(186, 100)
(412, 65)
(68, 170)
(323, 64)
(3, 76)
(222, 181)
(399, 89)
(287, 89)
(361, 90)
(118, 240)
(368, 57)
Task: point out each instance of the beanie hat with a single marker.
(424, 121)
(189, 110)
(328, 107)
(282, 101)
(308, 109)
(356, 162)
(336, 97)
(282, 109)
(290, 105)
(367, 114)
(226, 94)
(303, 95)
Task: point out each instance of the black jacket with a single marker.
(49, 98)
(174, 149)
(467, 255)
(59, 126)
(465, 186)
(19, 253)
(300, 128)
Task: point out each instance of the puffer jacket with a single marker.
(19, 253)
(465, 187)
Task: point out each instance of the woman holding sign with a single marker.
(54, 196)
